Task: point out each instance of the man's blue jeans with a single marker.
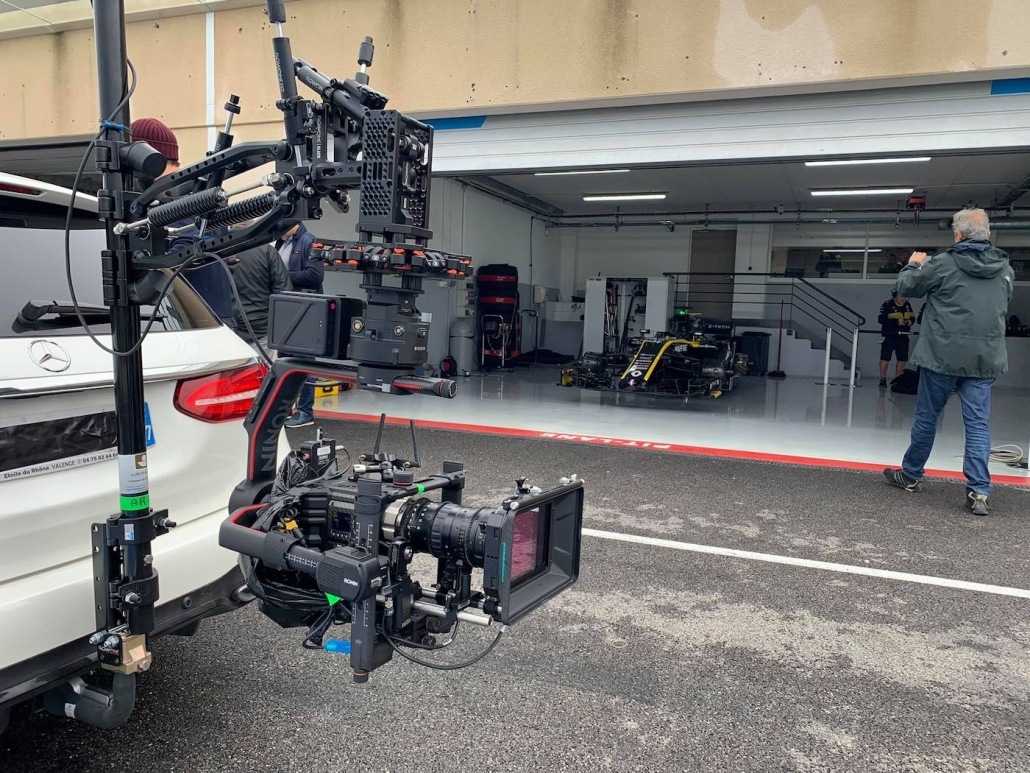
(975, 396)
(306, 400)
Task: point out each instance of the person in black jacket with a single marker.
(896, 318)
(258, 274)
(306, 275)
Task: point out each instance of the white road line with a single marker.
(885, 574)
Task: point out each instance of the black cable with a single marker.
(67, 236)
(444, 667)
(431, 647)
(313, 641)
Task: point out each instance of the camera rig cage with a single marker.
(317, 545)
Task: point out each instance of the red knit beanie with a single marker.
(158, 136)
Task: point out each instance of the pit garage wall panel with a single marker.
(956, 117)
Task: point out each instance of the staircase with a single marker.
(808, 313)
(802, 357)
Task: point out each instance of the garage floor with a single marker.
(731, 615)
(793, 421)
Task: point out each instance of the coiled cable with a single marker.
(1011, 455)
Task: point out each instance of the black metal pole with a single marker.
(133, 485)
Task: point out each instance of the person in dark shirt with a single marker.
(259, 273)
(210, 282)
(896, 319)
(294, 246)
(306, 276)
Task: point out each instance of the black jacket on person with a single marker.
(895, 319)
(258, 273)
(306, 275)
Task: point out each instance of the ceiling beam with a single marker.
(514, 196)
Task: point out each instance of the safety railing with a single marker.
(796, 303)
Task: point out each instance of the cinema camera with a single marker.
(319, 542)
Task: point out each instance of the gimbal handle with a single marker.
(273, 404)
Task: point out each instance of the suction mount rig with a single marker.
(344, 141)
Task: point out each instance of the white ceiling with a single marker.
(947, 182)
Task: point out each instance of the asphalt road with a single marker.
(657, 660)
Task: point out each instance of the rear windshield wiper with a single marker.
(54, 313)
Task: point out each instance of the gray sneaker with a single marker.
(977, 503)
(899, 479)
(300, 419)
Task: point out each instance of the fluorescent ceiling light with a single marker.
(625, 197)
(859, 249)
(855, 161)
(865, 192)
(580, 171)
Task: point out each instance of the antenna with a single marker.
(416, 462)
(379, 434)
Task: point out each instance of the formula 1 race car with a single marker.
(698, 359)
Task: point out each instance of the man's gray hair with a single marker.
(972, 224)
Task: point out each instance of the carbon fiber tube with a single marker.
(441, 387)
(193, 205)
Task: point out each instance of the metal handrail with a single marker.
(794, 280)
(841, 322)
(808, 285)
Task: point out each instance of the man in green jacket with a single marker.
(961, 348)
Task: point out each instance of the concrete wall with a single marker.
(439, 57)
(630, 252)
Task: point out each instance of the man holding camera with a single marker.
(961, 348)
(896, 318)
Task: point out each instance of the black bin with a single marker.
(756, 346)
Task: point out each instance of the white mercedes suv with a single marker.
(58, 471)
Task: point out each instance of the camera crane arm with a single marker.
(318, 158)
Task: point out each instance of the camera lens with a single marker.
(446, 530)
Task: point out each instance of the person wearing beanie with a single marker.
(210, 282)
(159, 137)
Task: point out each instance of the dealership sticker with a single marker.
(132, 474)
(61, 464)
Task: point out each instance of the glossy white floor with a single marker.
(793, 418)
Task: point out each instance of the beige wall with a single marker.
(438, 57)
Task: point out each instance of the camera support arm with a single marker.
(395, 168)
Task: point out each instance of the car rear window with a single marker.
(33, 270)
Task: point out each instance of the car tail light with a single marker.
(224, 396)
(22, 189)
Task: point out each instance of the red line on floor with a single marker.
(598, 440)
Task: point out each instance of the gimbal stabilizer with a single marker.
(344, 141)
(317, 546)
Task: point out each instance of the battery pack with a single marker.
(308, 325)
